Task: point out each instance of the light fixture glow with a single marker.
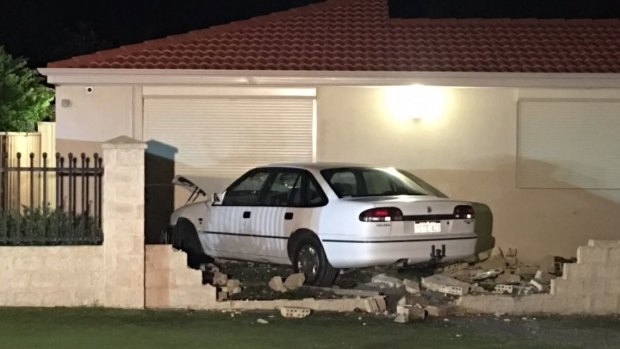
(416, 102)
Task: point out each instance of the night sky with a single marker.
(44, 31)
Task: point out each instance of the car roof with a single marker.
(316, 165)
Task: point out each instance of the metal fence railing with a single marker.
(50, 200)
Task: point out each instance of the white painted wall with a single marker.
(91, 118)
(469, 152)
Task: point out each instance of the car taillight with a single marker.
(463, 212)
(382, 214)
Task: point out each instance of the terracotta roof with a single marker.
(358, 35)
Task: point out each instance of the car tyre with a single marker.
(309, 258)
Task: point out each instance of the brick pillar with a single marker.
(123, 222)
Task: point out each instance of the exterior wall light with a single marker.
(416, 102)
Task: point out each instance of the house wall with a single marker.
(469, 152)
(88, 115)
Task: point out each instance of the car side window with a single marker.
(344, 183)
(282, 191)
(247, 191)
(315, 197)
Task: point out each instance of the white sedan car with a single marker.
(320, 218)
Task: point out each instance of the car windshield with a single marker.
(365, 181)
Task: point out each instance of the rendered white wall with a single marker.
(469, 153)
(91, 118)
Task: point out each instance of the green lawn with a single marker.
(101, 328)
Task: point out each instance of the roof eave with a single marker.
(78, 76)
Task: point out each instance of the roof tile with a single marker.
(358, 35)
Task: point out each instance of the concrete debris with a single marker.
(554, 265)
(293, 312)
(234, 286)
(493, 262)
(475, 289)
(262, 321)
(526, 270)
(540, 285)
(345, 292)
(445, 284)
(438, 310)
(503, 289)
(401, 319)
(219, 279)
(388, 281)
(508, 278)
(412, 287)
(294, 281)
(449, 269)
(375, 305)
(276, 284)
(543, 276)
(407, 313)
(488, 274)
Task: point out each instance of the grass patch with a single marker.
(104, 328)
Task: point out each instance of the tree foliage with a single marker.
(24, 100)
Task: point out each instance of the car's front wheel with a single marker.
(310, 259)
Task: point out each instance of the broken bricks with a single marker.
(294, 281)
(445, 284)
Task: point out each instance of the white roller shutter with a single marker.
(224, 137)
(568, 144)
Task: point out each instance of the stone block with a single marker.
(438, 310)
(604, 243)
(56, 298)
(604, 305)
(43, 279)
(490, 304)
(27, 299)
(553, 304)
(294, 312)
(614, 257)
(276, 284)
(613, 286)
(294, 281)
(592, 255)
(157, 298)
(28, 263)
(528, 305)
(157, 278)
(388, 281)
(412, 287)
(445, 284)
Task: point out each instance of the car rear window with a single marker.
(363, 181)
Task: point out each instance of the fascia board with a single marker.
(64, 76)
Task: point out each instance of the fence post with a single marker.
(123, 222)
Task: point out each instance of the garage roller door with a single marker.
(224, 137)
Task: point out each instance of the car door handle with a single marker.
(246, 214)
(288, 216)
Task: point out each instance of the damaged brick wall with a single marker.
(590, 286)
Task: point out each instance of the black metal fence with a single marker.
(50, 200)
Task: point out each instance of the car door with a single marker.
(228, 230)
(268, 225)
(289, 202)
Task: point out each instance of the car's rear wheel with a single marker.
(310, 259)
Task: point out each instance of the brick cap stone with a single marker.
(123, 142)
